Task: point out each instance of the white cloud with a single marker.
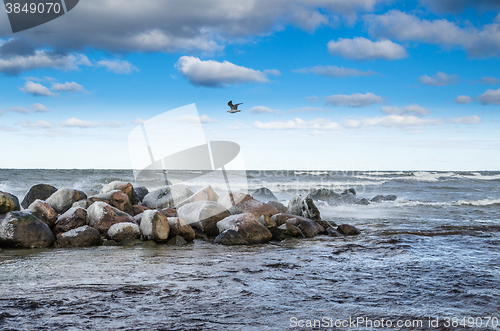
(68, 87)
(113, 124)
(6, 128)
(237, 125)
(360, 48)
(400, 121)
(490, 97)
(78, 123)
(118, 66)
(36, 89)
(334, 71)
(456, 6)
(272, 72)
(298, 123)
(313, 98)
(39, 108)
(489, 81)
(462, 99)
(466, 120)
(36, 125)
(353, 100)
(193, 119)
(20, 110)
(304, 109)
(439, 79)
(264, 110)
(138, 121)
(413, 109)
(217, 74)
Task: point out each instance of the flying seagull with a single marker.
(234, 108)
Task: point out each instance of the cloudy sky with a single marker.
(325, 84)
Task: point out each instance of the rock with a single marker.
(278, 234)
(74, 218)
(323, 194)
(237, 197)
(138, 218)
(177, 241)
(349, 191)
(179, 227)
(263, 194)
(106, 242)
(203, 215)
(8, 203)
(326, 224)
(124, 187)
(291, 230)
(115, 198)
(40, 191)
(267, 221)
(332, 232)
(248, 227)
(154, 226)
(85, 203)
(44, 212)
(63, 199)
(24, 230)
(380, 198)
(348, 230)
(279, 206)
(230, 237)
(102, 216)
(363, 202)
(205, 194)
(303, 206)
(257, 208)
(348, 196)
(137, 242)
(169, 212)
(124, 231)
(168, 196)
(390, 198)
(140, 193)
(84, 236)
(310, 228)
(138, 209)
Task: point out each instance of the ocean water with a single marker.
(434, 253)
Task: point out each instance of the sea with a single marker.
(430, 260)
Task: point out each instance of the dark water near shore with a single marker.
(434, 252)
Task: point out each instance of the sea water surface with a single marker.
(432, 253)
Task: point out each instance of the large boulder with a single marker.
(154, 226)
(278, 205)
(73, 218)
(263, 194)
(124, 231)
(229, 238)
(179, 227)
(8, 203)
(40, 191)
(239, 197)
(310, 228)
(63, 199)
(102, 216)
(247, 226)
(380, 198)
(115, 198)
(24, 230)
(140, 193)
(348, 230)
(245, 203)
(44, 212)
(84, 236)
(168, 196)
(303, 206)
(323, 194)
(205, 194)
(125, 187)
(203, 215)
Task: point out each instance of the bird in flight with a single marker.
(234, 108)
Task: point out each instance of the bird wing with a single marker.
(236, 105)
(230, 103)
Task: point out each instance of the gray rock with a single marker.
(8, 203)
(248, 226)
(363, 202)
(84, 236)
(263, 194)
(85, 203)
(348, 230)
(24, 230)
(238, 197)
(74, 218)
(44, 212)
(303, 206)
(230, 237)
(203, 215)
(323, 194)
(177, 241)
(281, 208)
(63, 199)
(205, 194)
(140, 193)
(40, 191)
(332, 232)
(168, 196)
(310, 228)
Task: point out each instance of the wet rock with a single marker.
(44, 212)
(332, 232)
(138, 209)
(267, 221)
(348, 230)
(140, 193)
(303, 206)
(137, 242)
(203, 215)
(179, 227)
(138, 218)
(263, 194)
(85, 203)
(84, 236)
(248, 226)
(124, 231)
(390, 198)
(177, 241)
(24, 230)
(349, 196)
(124, 187)
(74, 218)
(8, 203)
(205, 194)
(323, 194)
(278, 234)
(106, 242)
(40, 191)
(115, 198)
(281, 208)
(102, 216)
(363, 202)
(63, 199)
(257, 208)
(154, 226)
(227, 199)
(230, 237)
(310, 228)
(326, 224)
(169, 212)
(291, 230)
(168, 196)
(381, 198)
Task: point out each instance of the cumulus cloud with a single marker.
(20, 110)
(35, 108)
(456, 6)
(68, 87)
(490, 97)
(489, 81)
(462, 99)
(439, 79)
(353, 100)
(470, 120)
(78, 123)
(118, 66)
(113, 124)
(400, 121)
(298, 123)
(36, 89)
(138, 121)
(395, 24)
(264, 110)
(36, 125)
(334, 71)
(412, 109)
(6, 128)
(360, 48)
(39, 108)
(217, 74)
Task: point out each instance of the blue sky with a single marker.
(325, 84)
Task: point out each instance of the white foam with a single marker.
(481, 202)
(118, 227)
